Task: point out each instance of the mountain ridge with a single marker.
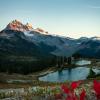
(35, 36)
(25, 51)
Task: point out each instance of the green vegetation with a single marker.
(92, 74)
(24, 64)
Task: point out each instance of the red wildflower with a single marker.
(65, 89)
(96, 87)
(74, 85)
(70, 91)
(82, 95)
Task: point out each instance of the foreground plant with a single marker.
(71, 95)
(96, 87)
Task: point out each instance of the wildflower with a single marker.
(70, 91)
(96, 87)
(82, 95)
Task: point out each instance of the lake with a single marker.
(70, 74)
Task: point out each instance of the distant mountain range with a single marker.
(24, 40)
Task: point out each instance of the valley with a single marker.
(33, 58)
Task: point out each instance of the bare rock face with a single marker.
(17, 25)
(29, 26)
(40, 30)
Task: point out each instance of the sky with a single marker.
(71, 18)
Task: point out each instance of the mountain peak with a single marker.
(17, 25)
(40, 30)
(29, 26)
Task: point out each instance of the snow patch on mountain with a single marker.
(96, 38)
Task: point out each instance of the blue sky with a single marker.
(74, 18)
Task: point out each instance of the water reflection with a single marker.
(74, 74)
(71, 74)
